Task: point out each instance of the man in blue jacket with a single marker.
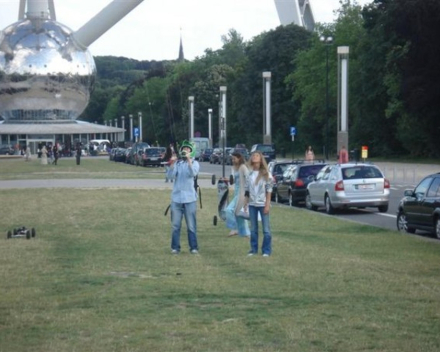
(184, 197)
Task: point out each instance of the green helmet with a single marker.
(190, 145)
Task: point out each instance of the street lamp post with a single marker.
(140, 126)
(327, 42)
(210, 127)
(191, 117)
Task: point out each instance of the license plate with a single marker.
(365, 187)
(154, 159)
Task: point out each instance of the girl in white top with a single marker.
(258, 191)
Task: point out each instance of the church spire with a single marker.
(181, 57)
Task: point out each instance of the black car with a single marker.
(205, 155)
(268, 151)
(277, 169)
(419, 209)
(119, 154)
(6, 149)
(293, 185)
(153, 156)
(216, 156)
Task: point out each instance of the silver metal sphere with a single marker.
(44, 75)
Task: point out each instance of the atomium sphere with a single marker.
(44, 75)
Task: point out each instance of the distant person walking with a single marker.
(167, 161)
(238, 225)
(27, 153)
(343, 155)
(56, 153)
(78, 154)
(309, 155)
(258, 191)
(43, 155)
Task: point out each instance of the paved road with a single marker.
(95, 183)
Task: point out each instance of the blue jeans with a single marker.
(189, 210)
(266, 247)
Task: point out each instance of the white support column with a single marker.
(223, 120)
(123, 127)
(267, 137)
(191, 117)
(131, 127)
(343, 52)
(140, 126)
(210, 127)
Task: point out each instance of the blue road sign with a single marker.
(293, 131)
(136, 131)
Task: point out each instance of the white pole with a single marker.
(131, 127)
(223, 90)
(140, 126)
(267, 106)
(344, 94)
(191, 117)
(210, 127)
(103, 21)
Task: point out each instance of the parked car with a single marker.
(419, 209)
(133, 157)
(215, 156)
(343, 186)
(205, 155)
(153, 156)
(6, 149)
(292, 185)
(268, 151)
(277, 168)
(119, 154)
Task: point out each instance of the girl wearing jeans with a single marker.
(258, 191)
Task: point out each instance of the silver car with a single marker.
(342, 186)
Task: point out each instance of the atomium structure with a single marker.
(46, 71)
(298, 12)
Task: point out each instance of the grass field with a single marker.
(99, 276)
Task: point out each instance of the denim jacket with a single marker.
(183, 190)
(257, 192)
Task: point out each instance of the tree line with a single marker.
(394, 100)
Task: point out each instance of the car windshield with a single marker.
(357, 172)
(311, 170)
(265, 148)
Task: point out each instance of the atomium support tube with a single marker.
(37, 9)
(103, 21)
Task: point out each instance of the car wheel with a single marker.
(214, 220)
(309, 204)
(437, 228)
(402, 223)
(28, 234)
(33, 232)
(328, 206)
(9, 234)
(383, 208)
(213, 179)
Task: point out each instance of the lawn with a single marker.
(99, 276)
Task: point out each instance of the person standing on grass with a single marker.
(43, 155)
(167, 160)
(184, 197)
(238, 225)
(258, 191)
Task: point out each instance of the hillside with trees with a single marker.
(393, 77)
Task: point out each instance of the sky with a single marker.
(153, 29)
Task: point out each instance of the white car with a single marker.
(342, 186)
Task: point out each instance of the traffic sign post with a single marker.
(136, 133)
(293, 134)
(364, 152)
